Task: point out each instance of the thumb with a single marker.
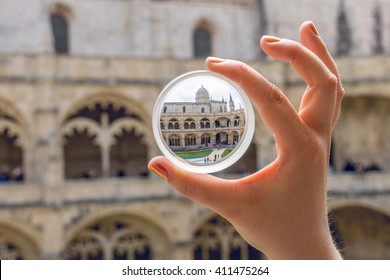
(207, 190)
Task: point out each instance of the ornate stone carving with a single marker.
(218, 239)
(109, 239)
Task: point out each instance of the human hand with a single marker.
(281, 209)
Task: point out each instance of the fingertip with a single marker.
(213, 63)
(160, 166)
(278, 48)
(305, 25)
(309, 33)
(214, 59)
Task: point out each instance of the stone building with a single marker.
(202, 123)
(78, 81)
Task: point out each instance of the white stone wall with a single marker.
(130, 28)
(165, 28)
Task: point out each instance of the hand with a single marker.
(281, 209)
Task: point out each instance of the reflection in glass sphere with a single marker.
(202, 120)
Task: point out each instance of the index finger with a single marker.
(318, 104)
(311, 39)
(273, 106)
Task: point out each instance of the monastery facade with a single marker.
(203, 123)
(78, 82)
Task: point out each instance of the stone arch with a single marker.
(18, 241)
(361, 230)
(205, 123)
(79, 125)
(8, 108)
(128, 155)
(190, 140)
(222, 138)
(215, 238)
(118, 100)
(174, 140)
(13, 143)
(361, 125)
(205, 139)
(173, 123)
(237, 121)
(235, 136)
(189, 123)
(118, 235)
(115, 133)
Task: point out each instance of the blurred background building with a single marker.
(78, 81)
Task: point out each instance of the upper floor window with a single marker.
(378, 30)
(60, 30)
(202, 42)
(344, 35)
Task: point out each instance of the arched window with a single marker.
(204, 123)
(60, 30)
(173, 124)
(202, 42)
(190, 140)
(216, 239)
(112, 238)
(202, 110)
(11, 150)
(189, 124)
(92, 127)
(237, 121)
(205, 139)
(174, 140)
(228, 123)
(15, 245)
(222, 138)
(184, 109)
(236, 137)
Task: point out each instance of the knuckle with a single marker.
(274, 94)
(188, 190)
(340, 92)
(244, 70)
(332, 82)
(297, 52)
(329, 83)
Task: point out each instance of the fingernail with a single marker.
(314, 29)
(215, 59)
(159, 170)
(271, 39)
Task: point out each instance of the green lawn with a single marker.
(194, 154)
(226, 152)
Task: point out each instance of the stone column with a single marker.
(105, 140)
(182, 141)
(105, 149)
(53, 245)
(46, 160)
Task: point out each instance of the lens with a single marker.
(203, 122)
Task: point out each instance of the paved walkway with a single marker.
(215, 154)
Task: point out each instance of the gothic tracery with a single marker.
(218, 239)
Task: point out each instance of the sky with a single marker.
(184, 90)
